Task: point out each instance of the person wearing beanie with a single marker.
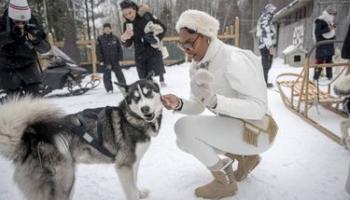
(266, 34)
(324, 29)
(109, 53)
(21, 37)
(146, 32)
(229, 82)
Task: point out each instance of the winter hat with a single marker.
(128, 4)
(105, 25)
(199, 21)
(331, 10)
(270, 8)
(19, 10)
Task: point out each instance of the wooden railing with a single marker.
(231, 33)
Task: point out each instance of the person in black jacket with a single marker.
(21, 38)
(345, 53)
(109, 53)
(325, 30)
(143, 30)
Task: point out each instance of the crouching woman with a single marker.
(229, 82)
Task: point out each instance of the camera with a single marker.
(33, 30)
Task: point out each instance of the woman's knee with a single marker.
(182, 130)
(180, 126)
(182, 145)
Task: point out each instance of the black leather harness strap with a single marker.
(83, 133)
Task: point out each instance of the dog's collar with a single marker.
(152, 120)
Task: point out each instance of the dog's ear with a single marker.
(150, 75)
(156, 87)
(124, 86)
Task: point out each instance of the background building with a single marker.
(295, 21)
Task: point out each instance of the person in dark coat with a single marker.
(325, 30)
(143, 30)
(345, 53)
(109, 53)
(21, 38)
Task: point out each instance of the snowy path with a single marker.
(302, 165)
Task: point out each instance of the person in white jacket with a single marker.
(229, 82)
(266, 34)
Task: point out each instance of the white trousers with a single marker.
(207, 136)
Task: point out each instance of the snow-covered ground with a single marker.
(303, 164)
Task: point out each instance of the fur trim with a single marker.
(200, 22)
(329, 19)
(342, 86)
(143, 9)
(270, 8)
(16, 114)
(152, 27)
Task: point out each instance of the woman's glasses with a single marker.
(188, 46)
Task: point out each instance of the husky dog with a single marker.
(342, 88)
(45, 144)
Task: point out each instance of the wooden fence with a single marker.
(88, 47)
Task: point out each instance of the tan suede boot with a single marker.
(223, 185)
(246, 164)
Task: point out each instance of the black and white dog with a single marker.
(342, 88)
(45, 144)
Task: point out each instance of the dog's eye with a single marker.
(147, 91)
(136, 94)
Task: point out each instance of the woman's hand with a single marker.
(171, 102)
(202, 88)
(127, 35)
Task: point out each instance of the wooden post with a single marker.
(50, 39)
(237, 32)
(227, 31)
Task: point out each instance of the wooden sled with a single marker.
(300, 94)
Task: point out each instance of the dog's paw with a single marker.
(143, 193)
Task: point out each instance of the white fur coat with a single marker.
(238, 82)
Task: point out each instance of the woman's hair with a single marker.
(190, 31)
(128, 4)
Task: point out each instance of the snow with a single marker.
(303, 164)
(292, 48)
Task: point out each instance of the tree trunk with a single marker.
(246, 24)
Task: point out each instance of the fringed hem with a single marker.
(251, 132)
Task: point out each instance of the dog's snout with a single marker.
(145, 109)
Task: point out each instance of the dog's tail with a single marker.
(16, 115)
(342, 86)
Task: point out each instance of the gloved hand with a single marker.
(149, 38)
(202, 88)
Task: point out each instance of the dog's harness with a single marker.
(88, 137)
